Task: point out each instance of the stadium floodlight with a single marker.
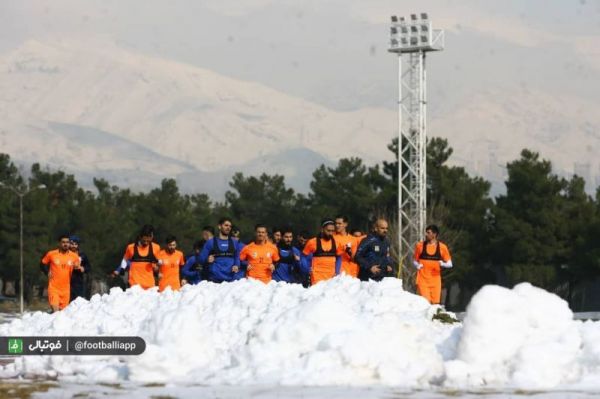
(413, 40)
(414, 34)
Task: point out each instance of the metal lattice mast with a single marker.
(413, 38)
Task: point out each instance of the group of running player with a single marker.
(275, 255)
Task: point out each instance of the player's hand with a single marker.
(272, 267)
(445, 265)
(183, 282)
(211, 258)
(389, 269)
(348, 249)
(297, 258)
(375, 269)
(235, 269)
(249, 267)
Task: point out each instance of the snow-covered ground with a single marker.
(347, 334)
(133, 391)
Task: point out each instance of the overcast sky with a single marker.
(334, 52)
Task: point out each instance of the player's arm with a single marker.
(307, 255)
(120, 270)
(205, 253)
(45, 264)
(187, 271)
(297, 255)
(85, 263)
(388, 259)
(306, 263)
(275, 257)
(446, 260)
(361, 255)
(418, 249)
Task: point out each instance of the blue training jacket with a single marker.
(191, 275)
(373, 250)
(288, 271)
(220, 270)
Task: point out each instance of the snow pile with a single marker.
(523, 337)
(341, 332)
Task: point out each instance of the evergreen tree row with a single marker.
(544, 229)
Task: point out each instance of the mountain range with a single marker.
(97, 109)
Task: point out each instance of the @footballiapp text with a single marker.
(22, 346)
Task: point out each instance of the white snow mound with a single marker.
(340, 332)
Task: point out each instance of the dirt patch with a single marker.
(23, 389)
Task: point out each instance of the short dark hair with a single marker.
(304, 234)
(210, 229)
(434, 229)
(170, 238)
(287, 229)
(63, 235)
(260, 225)
(75, 238)
(343, 217)
(353, 231)
(225, 219)
(235, 230)
(147, 231)
(276, 229)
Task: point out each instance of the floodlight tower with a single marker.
(413, 38)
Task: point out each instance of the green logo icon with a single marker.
(15, 345)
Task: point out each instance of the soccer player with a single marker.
(141, 257)
(350, 244)
(373, 254)
(429, 257)
(260, 255)
(288, 267)
(170, 261)
(222, 254)
(323, 253)
(58, 265)
(78, 278)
